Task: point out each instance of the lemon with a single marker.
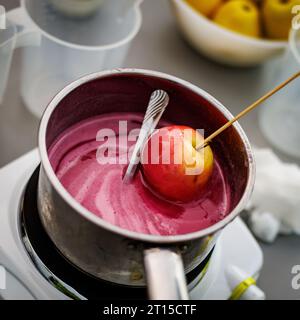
(277, 17)
(241, 16)
(206, 7)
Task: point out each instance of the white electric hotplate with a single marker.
(232, 269)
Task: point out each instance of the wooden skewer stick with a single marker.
(247, 110)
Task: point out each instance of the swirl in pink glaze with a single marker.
(99, 187)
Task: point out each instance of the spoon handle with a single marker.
(158, 101)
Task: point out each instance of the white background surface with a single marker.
(158, 46)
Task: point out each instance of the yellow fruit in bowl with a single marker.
(241, 16)
(277, 17)
(206, 7)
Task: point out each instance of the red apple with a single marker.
(172, 166)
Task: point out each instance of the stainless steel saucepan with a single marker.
(107, 251)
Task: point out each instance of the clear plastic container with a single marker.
(279, 118)
(59, 48)
(7, 45)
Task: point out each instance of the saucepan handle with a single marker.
(165, 275)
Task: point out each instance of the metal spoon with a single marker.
(158, 101)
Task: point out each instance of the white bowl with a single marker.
(220, 44)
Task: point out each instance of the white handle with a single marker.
(21, 32)
(28, 35)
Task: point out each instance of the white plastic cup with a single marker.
(279, 118)
(58, 49)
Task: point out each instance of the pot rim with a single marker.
(86, 214)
